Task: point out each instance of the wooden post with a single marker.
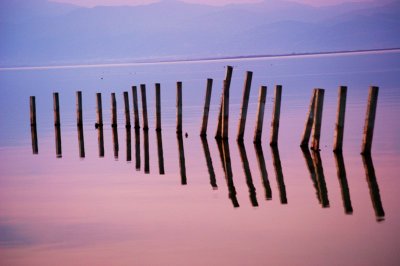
(339, 126)
(99, 111)
(56, 106)
(260, 115)
(276, 116)
(135, 107)
(203, 131)
(370, 120)
(144, 107)
(218, 132)
(79, 118)
(309, 121)
(158, 107)
(35, 147)
(179, 107)
(127, 113)
(113, 110)
(319, 102)
(32, 102)
(225, 117)
(226, 84)
(245, 104)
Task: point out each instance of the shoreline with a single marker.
(201, 60)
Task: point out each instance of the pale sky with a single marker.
(91, 3)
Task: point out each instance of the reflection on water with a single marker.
(311, 170)
(100, 138)
(160, 153)
(373, 187)
(344, 186)
(210, 167)
(81, 141)
(137, 148)
(182, 164)
(35, 145)
(115, 141)
(223, 147)
(263, 170)
(128, 144)
(279, 174)
(320, 178)
(146, 151)
(57, 130)
(247, 173)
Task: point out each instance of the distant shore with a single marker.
(203, 59)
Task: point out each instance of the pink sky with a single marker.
(210, 2)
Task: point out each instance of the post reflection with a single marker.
(100, 138)
(320, 177)
(223, 147)
(311, 169)
(115, 142)
(373, 187)
(81, 141)
(210, 167)
(35, 146)
(263, 170)
(182, 165)
(247, 172)
(160, 152)
(146, 151)
(57, 130)
(128, 144)
(279, 174)
(137, 148)
(344, 186)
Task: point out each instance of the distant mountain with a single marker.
(42, 32)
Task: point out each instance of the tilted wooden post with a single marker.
(144, 107)
(276, 115)
(135, 107)
(218, 132)
(179, 107)
(319, 103)
(99, 111)
(309, 122)
(370, 120)
(339, 126)
(245, 104)
(225, 117)
(203, 131)
(113, 110)
(127, 112)
(260, 114)
(32, 102)
(158, 107)
(79, 118)
(35, 146)
(56, 106)
(227, 84)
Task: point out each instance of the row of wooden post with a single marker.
(312, 124)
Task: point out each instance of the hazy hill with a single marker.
(43, 32)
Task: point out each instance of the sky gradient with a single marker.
(91, 3)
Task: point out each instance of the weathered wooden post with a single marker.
(309, 122)
(203, 131)
(113, 110)
(370, 120)
(276, 116)
(79, 115)
(99, 111)
(226, 84)
(158, 107)
(135, 107)
(218, 132)
(225, 117)
(245, 104)
(144, 107)
(260, 115)
(340, 117)
(127, 112)
(179, 107)
(56, 106)
(319, 102)
(35, 147)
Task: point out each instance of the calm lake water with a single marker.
(163, 200)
